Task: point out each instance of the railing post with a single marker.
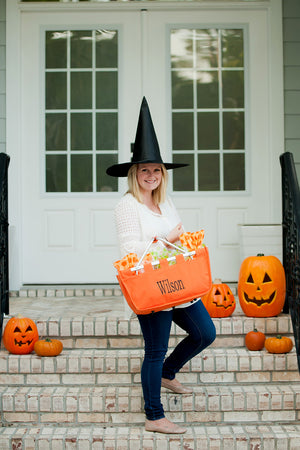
(4, 278)
(291, 242)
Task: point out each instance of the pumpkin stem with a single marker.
(260, 254)
(255, 329)
(217, 281)
(47, 340)
(278, 336)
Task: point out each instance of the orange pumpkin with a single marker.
(261, 286)
(20, 335)
(255, 340)
(48, 347)
(279, 344)
(219, 301)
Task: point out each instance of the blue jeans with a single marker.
(156, 327)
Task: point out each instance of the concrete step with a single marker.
(106, 367)
(116, 405)
(94, 437)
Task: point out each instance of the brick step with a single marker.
(222, 437)
(105, 367)
(67, 291)
(103, 332)
(123, 405)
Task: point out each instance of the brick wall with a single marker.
(2, 76)
(291, 56)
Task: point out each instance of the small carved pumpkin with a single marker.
(279, 344)
(261, 286)
(219, 301)
(48, 347)
(20, 335)
(255, 340)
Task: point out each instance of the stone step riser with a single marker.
(116, 343)
(231, 363)
(281, 437)
(120, 406)
(105, 329)
(138, 419)
(126, 380)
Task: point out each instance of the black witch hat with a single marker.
(145, 148)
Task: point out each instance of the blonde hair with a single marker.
(159, 194)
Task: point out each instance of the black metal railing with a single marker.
(291, 242)
(4, 286)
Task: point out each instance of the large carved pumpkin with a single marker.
(261, 286)
(20, 335)
(219, 301)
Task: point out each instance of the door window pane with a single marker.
(234, 172)
(56, 131)
(81, 90)
(233, 130)
(81, 49)
(56, 49)
(106, 49)
(233, 89)
(105, 183)
(208, 105)
(81, 131)
(232, 48)
(209, 172)
(81, 110)
(183, 131)
(56, 173)
(208, 131)
(207, 89)
(184, 180)
(56, 90)
(107, 90)
(207, 48)
(81, 173)
(182, 90)
(107, 131)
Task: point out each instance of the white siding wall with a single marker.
(2, 75)
(291, 55)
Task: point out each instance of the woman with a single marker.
(143, 213)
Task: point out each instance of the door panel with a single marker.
(220, 213)
(69, 237)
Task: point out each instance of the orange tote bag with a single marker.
(148, 289)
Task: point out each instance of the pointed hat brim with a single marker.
(121, 170)
(145, 148)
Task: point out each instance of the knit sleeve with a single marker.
(128, 226)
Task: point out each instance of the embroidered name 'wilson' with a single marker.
(167, 287)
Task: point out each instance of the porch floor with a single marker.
(76, 301)
(107, 302)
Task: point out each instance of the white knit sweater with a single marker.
(137, 224)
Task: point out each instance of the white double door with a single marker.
(70, 238)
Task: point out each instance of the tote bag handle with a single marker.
(140, 266)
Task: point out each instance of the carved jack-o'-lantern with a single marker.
(219, 301)
(261, 286)
(20, 335)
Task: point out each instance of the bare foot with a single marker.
(163, 426)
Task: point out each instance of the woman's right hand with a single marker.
(174, 234)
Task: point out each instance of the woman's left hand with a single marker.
(174, 234)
